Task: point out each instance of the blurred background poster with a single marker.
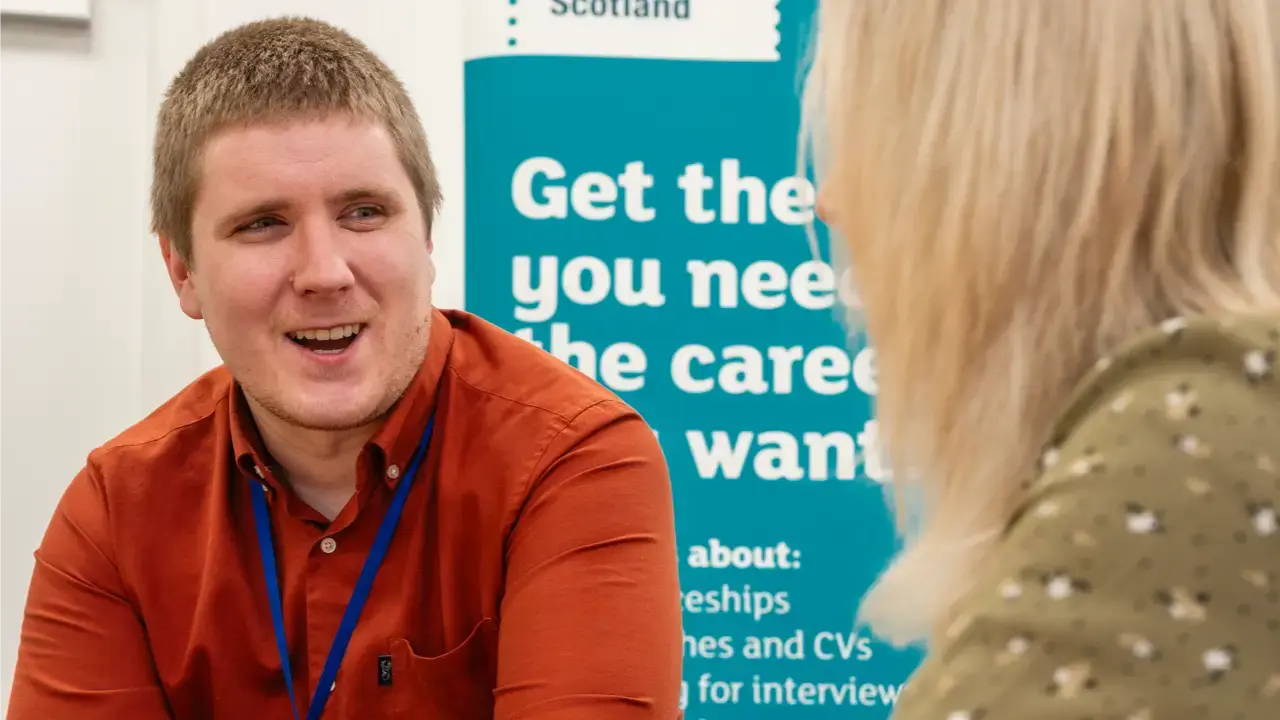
(77, 11)
(633, 206)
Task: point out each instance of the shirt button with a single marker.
(393, 472)
(328, 545)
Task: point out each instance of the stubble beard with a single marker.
(401, 376)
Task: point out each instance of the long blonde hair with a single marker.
(1022, 185)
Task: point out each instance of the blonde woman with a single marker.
(1063, 217)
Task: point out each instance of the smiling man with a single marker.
(374, 508)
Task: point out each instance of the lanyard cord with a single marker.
(359, 594)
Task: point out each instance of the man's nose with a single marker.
(322, 265)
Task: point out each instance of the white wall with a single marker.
(90, 334)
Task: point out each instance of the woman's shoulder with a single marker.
(1187, 415)
(1153, 522)
(1237, 354)
(1143, 571)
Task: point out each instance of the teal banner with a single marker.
(632, 207)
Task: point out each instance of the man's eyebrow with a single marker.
(364, 192)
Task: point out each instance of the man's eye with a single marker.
(366, 212)
(259, 224)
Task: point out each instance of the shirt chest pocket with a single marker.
(457, 685)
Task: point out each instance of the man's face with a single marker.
(301, 232)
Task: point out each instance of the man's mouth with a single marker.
(327, 341)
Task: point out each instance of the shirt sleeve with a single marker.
(83, 651)
(591, 619)
(1142, 580)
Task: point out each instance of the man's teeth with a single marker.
(334, 333)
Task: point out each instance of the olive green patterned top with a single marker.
(1142, 579)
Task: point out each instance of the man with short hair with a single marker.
(375, 508)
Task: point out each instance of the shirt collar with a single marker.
(395, 441)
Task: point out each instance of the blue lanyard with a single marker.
(262, 522)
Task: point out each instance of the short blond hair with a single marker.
(272, 71)
(1023, 186)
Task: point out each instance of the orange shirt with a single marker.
(533, 573)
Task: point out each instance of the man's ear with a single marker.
(182, 277)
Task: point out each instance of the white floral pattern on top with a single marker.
(1142, 582)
